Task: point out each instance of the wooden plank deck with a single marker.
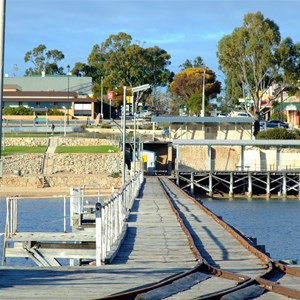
(155, 248)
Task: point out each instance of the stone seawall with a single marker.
(62, 169)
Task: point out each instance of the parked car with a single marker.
(143, 113)
(222, 115)
(273, 124)
(239, 114)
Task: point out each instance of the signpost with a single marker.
(110, 96)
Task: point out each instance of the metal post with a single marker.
(249, 185)
(68, 67)
(65, 123)
(2, 41)
(98, 234)
(65, 214)
(102, 98)
(124, 136)
(134, 143)
(203, 95)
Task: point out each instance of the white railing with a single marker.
(110, 215)
(111, 218)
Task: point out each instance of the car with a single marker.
(143, 113)
(273, 124)
(222, 115)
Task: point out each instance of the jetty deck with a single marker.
(155, 248)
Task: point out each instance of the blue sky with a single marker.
(184, 28)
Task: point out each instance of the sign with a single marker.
(110, 95)
(291, 107)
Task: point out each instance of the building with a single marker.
(67, 92)
(216, 128)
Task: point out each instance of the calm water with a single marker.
(275, 223)
(35, 215)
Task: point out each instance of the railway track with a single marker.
(228, 264)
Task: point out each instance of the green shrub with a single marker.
(277, 134)
(18, 111)
(55, 112)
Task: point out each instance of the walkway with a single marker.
(155, 248)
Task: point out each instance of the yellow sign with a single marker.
(129, 99)
(145, 158)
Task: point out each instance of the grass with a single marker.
(87, 149)
(23, 149)
(24, 134)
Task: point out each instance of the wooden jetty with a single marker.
(168, 236)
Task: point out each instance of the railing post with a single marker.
(98, 234)
(65, 214)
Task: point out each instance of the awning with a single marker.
(289, 106)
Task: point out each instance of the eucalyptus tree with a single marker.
(44, 60)
(123, 63)
(253, 56)
(187, 87)
(197, 63)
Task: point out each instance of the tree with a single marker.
(43, 61)
(122, 63)
(253, 55)
(198, 63)
(187, 86)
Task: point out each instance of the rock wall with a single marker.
(62, 169)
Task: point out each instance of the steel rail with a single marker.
(242, 281)
(274, 267)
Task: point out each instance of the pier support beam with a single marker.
(268, 188)
(231, 185)
(192, 183)
(210, 190)
(284, 184)
(249, 194)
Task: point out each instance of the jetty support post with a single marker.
(268, 188)
(98, 234)
(192, 183)
(284, 185)
(231, 185)
(249, 185)
(210, 184)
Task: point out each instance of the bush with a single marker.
(277, 134)
(19, 111)
(55, 112)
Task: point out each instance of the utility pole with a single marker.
(102, 98)
(203, 94)
(2, 41)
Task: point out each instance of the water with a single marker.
(35, 215)
(275, 223)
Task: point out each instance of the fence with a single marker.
(107, 217)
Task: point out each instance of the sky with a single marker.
(184, 28)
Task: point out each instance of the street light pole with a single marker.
(203, 95)
(2, 41)
(68, 67)
(102, 98)
(139, 88)
(124, 136)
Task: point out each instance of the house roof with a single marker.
(270, 143)
(203, 120)
(80, 85)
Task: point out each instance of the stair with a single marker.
(43, 182)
